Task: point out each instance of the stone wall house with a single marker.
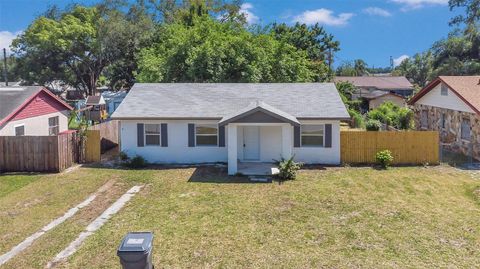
(451, 105)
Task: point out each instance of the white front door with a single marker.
(251, 143)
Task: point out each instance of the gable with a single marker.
(450, 101)
(41, 104)
(259, 117)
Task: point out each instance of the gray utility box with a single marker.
(135, 251)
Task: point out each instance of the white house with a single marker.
(32, 110)
(236, 123)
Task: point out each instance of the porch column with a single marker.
(287, 141)
(232, 148)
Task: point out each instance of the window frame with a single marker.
(322, 135)
(159, 135)
(443, 121)
(50, 127)
(469, 130)
(208, 125)
(19, 125)
(443, 90)
(424, 111)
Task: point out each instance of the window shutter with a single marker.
(221, 136)
(296, 136)
(140, 135)
(164, 134)
(328, 135)
(191, 135)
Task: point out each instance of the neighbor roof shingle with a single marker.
(466, 87)
(12, 97)
(217, 100)
(380, 82)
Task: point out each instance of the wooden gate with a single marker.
(92, 146)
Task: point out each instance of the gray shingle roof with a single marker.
(12, 97)
(217, 100)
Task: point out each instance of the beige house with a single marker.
(377, 98)
(451, 105)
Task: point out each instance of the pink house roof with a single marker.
(14, 100)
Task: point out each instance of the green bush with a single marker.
(288, 168)
(393, 115)
(373, 125)
(123, 156)
(136, 162)
(357, 119)
(384, 158)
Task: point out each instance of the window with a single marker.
(442, 120)
(20, 130)
(53, 126)
(444, 90)
(152, 134)
(465, 129)
(312, 135)
(206, 134)
(424, 119)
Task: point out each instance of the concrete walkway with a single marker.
(29, 240)
(94, 226)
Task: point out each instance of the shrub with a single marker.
(405, 119)
(136, 162)
(384, 158)
(288, 168)
(357, 119)
(373, 125)
(123, 156)
(392, 115)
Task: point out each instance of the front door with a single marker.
(251, 143)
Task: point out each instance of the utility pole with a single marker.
(5, 66)
(391, 63)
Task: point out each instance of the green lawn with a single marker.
(339, 217)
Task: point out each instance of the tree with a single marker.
(78, 44)
(352, 69)
(213, 51)
(471, 18)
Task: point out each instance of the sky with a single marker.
(372, 30)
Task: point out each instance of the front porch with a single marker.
(257, 169)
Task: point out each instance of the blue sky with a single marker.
(372, 30)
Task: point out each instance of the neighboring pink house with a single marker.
(32, 110)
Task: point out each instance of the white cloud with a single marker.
(323, 16)
(376, 11)
(246, 10)
(399, 60)
(415, 4)
(6, 39)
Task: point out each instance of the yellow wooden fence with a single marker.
(407, 147)
(92, 146)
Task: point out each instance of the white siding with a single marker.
(36, 126)
(179, 152)
(312, 155)
(450, 101)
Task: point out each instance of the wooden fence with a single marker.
(108, 134)
(92, 146)
(38, 153)
(408, 147)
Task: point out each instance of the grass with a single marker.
(338, 217)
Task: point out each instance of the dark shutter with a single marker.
(164, 134)
(296, 136)
(191, 135)
(328, 135)
(221, 136)
(140, 135)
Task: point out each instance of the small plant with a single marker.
(136, 162)
(384, 158)
(123, 156)
(288, 168)
(373, 125)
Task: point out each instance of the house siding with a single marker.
(451, 101)
(450, 136)
(399, 101)
(42, 104)
(36, 126)
(178, 151)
